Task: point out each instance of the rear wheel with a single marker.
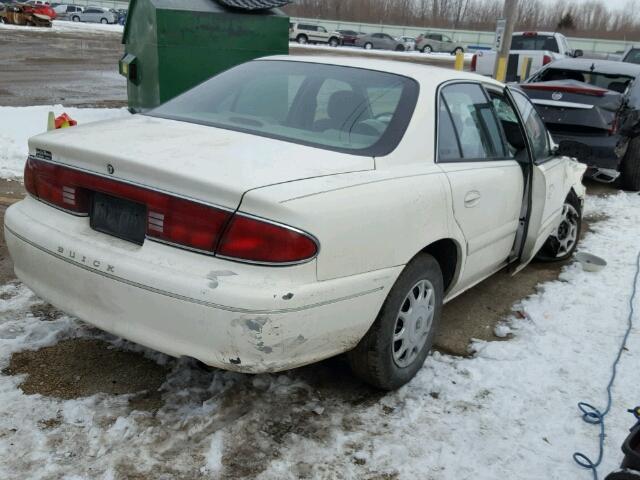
(104, 21)
(400, 48)
(368, 46)
(396, 346)
(458, 50)
(302, 39)
(630, 171)
(75, 18)
(562, 243)
(427, 49)
(334, 42)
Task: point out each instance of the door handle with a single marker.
(472, 198)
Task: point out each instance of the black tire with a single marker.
(104, 21)
(302, 39)
(458, 49)
(75, 18)
(368, 46)
(553, 250)
(373, 360)
(401, 48)
(630, 168)
(427, 49)
(334, 42)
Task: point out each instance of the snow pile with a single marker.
(509, 412)
(18, 124)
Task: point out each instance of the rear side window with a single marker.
(475, 126)
(344, 109)
(535, 42)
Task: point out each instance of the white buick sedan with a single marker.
(289, 210)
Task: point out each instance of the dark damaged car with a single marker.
(592, 109)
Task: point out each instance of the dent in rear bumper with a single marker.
(220, 332)
(596, 151)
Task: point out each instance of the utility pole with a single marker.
(510, 14)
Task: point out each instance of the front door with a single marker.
(548, 181)
(487, 183)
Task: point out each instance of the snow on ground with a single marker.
(508, 412)
(64, 26)
(18, 124)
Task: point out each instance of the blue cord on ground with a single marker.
(591, 414)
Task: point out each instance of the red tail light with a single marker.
(546, 60)
(551, 87)
(263, 242)
(474, 63)
(173, 219)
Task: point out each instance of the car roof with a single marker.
(611, 67)
(423, 73)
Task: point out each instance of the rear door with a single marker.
(487, 183)
(547, 183)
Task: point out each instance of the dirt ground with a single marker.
(46, 68)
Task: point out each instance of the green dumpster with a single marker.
(173, 45)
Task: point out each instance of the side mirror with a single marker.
(578, 53)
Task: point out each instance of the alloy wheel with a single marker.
(566, 235)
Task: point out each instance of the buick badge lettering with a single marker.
(83, 259)
(557, 96)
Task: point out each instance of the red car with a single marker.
(46, 10)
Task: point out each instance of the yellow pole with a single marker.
(526, 68)
(501, 71)
(459, 65)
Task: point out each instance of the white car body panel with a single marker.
(370, 215)
(208, 164)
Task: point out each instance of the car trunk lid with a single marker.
(205, 163)
(569, 106)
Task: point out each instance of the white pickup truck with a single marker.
(541, 47)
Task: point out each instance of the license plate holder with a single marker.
(119, 218)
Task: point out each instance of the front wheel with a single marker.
(458, 50)
(630, 171)
(562, 243)
(396, 346)
(333, 42)
(104, 21)
(302, 39)
(427, 49)
(368, 46)
(75, 18)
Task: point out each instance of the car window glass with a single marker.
(534, 42)
(509, 122)
(633, 56)
(325, 106)
(533, 124)
(474, 121)
(322, 29)
(448, 148)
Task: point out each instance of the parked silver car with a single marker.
(95, 15)
(65, 12)
(380, 41)
(437, 42)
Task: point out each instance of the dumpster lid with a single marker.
(254, 4)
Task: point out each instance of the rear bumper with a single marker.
(228, 315)
(596, 151)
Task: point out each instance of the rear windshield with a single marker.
(337, 108)
(617, 83)
(535, 42)
(633, 56)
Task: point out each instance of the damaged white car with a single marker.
(289, 210)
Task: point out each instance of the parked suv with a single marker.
(65, 12)
(95, 15)
(306, 33)
(436, 42)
